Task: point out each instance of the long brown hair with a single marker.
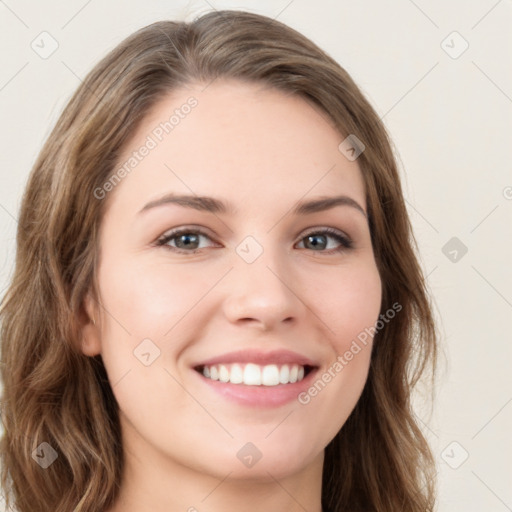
(53, 393)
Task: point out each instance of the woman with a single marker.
(216, 303)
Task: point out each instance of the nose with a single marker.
(263, 293)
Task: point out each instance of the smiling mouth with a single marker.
(250, 374)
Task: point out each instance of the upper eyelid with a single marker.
(185, 229)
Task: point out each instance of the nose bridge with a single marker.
(261, 284)
(262, 266)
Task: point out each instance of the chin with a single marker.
(263, 460)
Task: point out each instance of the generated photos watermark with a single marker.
(343, 360)
(156, 136)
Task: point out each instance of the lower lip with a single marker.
(259, 396)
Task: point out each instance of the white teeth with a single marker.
(223, 373)
(255, 375)
(284, 374)
(237, 374)
(252, 375)
(294, 373)
(270, 375)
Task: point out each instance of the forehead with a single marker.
(242, 141)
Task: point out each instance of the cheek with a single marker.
(350, 308)
(349, 303)
(145, 305)
(149, 314)
(150, 300)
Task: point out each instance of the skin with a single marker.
(262, 151)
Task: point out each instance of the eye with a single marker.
(318, 241)
(187, 240)
(184, 240)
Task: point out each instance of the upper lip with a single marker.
(259, 357)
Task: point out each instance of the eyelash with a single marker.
(345, 242)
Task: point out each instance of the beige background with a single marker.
(450, 114)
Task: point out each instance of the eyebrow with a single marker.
(212, 205)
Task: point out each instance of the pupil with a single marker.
(314, 241)
(187, 240)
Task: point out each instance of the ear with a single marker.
(90, 343)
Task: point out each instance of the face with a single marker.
(221, 316)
